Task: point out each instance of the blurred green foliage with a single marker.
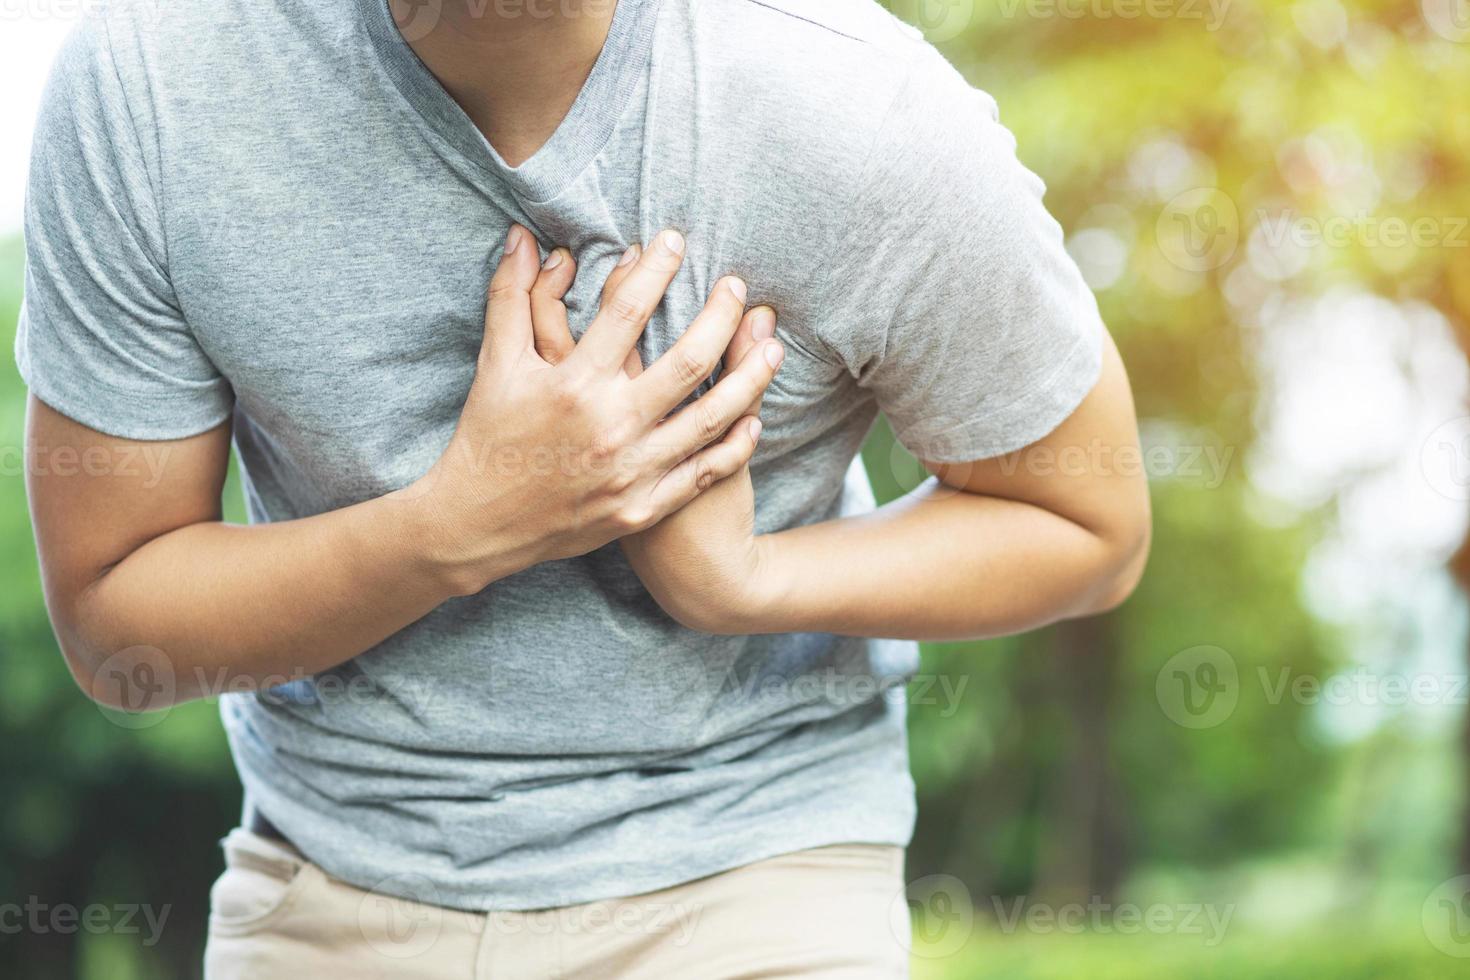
(1048, 769)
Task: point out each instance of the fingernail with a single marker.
(755, 429)
(513, 240)
(629, 255)
(553, 260)
(737, 286)
(774, 355)
(673, 241)
(764, 327)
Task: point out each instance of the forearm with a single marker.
(228, 607)
(942, 564)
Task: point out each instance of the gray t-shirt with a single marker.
(272, 211)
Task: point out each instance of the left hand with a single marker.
(704, 563)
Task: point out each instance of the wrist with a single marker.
(766, 604)
(437, 547)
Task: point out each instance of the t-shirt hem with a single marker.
(804, 831)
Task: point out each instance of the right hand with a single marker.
(555, 458)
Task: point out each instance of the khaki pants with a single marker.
(830, 913)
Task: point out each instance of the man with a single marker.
(523, 634)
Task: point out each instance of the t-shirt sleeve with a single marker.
(956, 302)
(101, 336)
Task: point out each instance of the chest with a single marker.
(349, 327)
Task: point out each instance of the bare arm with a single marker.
(1057, 530)
(1054, 531)
(139, 569)
(138, 564)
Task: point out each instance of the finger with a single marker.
(553, 336)
(620, 271)
(694, 357)
(633, 364)
(759, 323)
(703, 470)
(508, 300)
(707, 419)
(623, 316)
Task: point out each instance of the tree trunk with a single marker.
(1086, 852)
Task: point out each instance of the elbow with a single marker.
(134, 679)
(1127, 559)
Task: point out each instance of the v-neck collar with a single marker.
(577, 140)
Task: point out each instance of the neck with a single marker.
(514, 66)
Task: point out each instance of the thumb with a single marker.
(508, 327)
(758, 324)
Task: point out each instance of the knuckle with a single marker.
(635, 517)
(662, 260)
(501, 288)
(709, 422)
(625, 309)
(621, 480)
(704, 475)
(689, 367)
(567, 394)
(602, 447)
(609, 441)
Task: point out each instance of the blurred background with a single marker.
(1256, 768)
